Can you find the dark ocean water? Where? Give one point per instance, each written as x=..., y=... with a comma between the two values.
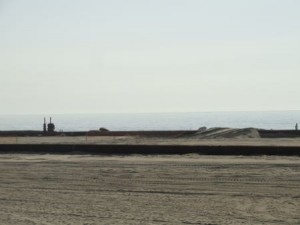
x=155, y=121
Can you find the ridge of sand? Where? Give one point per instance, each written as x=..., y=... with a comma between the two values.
x=220, y=132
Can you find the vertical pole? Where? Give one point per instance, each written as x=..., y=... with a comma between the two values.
x=44, y=126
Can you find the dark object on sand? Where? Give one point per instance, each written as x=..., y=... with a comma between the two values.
x=201, y=129
x=48, y=128
x=44, y=126
x=102, y=129
x=51, y=127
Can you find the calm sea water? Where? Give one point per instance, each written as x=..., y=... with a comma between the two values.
x=155, y=121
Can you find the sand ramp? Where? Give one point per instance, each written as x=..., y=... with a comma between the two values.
x=228, y=133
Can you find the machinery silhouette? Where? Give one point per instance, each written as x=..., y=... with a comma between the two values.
x=48, y=128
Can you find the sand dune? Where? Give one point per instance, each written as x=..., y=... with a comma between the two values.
x=227, y=133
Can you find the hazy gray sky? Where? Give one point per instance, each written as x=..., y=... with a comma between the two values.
x=94, y=56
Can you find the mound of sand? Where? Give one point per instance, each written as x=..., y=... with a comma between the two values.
x=227, y=133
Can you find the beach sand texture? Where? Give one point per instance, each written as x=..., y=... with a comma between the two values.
x=189, y=189
x=209, y=137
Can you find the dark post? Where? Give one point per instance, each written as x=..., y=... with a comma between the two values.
x=44, y=126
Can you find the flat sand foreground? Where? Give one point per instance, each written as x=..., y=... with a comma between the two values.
x=189, y=189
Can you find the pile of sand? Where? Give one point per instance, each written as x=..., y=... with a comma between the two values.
x=227, y=133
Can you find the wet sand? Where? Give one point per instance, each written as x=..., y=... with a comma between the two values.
x=189, y=189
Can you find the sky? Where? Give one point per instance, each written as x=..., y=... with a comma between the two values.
x=134, y=56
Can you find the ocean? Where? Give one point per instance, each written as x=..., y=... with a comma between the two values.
x=154, y=121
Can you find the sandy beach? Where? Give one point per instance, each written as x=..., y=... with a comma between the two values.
x=189, y=189
x=121, y=140
x=153, y=112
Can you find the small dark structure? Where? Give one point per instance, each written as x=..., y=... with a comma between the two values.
x=48, y=128
x=51, y=126
x=44, y=126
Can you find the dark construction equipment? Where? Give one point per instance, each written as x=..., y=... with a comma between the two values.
x=51, y=126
